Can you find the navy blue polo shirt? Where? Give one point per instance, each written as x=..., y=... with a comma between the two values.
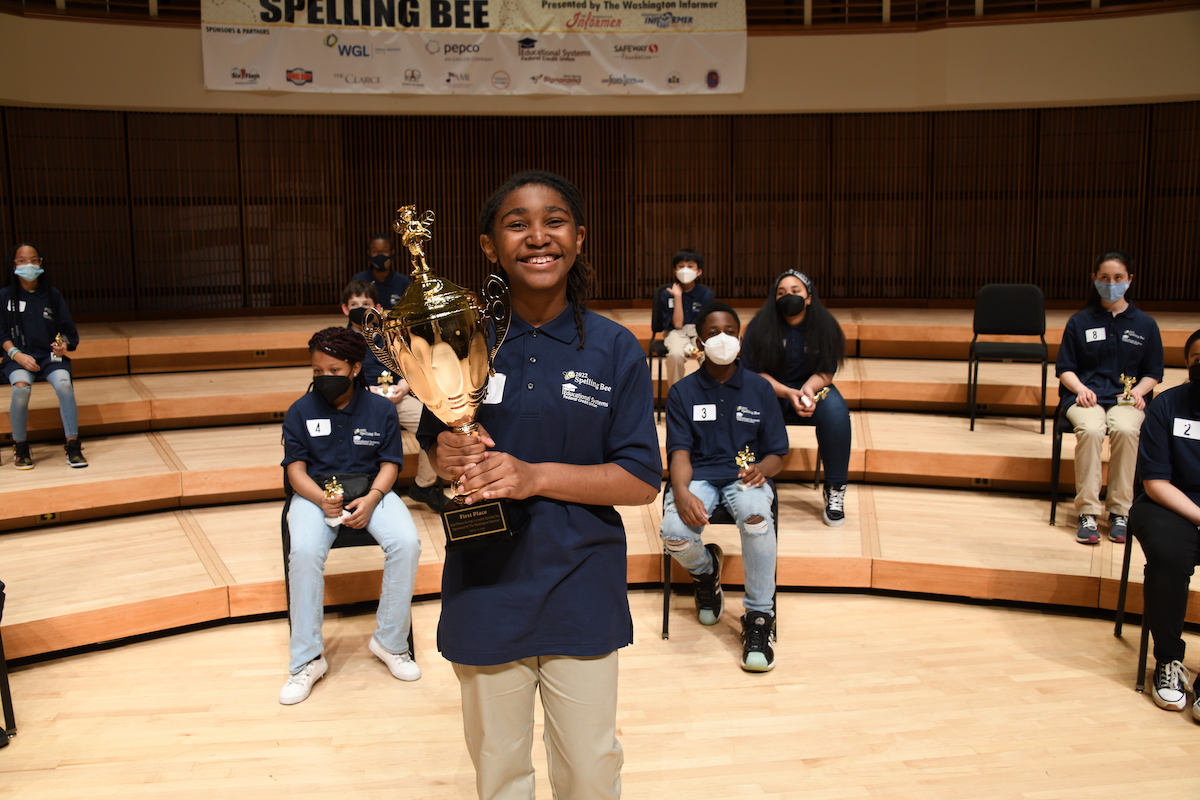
x=1169, y=446
x=357, y=438
x=390, y=290
x=44, y=315
x=1099, y=347
x=797, y=370
x=559, y=586
x=713, y=421
x=692, y=301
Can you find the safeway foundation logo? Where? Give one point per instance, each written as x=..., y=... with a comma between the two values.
x=299, y=76
x=635, y=52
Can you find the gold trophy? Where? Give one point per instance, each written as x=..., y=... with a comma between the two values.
x=436, y=338
x=743, y=459
x=58, y=339
x=818, y=396
x=1127, y=399
x=334, y=489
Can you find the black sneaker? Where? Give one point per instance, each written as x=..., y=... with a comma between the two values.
x=429, y=495
x=710, y=600
x=22, y=459
x=758, y=638
x=74, y=451
x=1170, y=685
x=835, y=505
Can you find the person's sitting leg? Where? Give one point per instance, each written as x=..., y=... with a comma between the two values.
x=425, y=489
x=702, y=561
x=1172, y=546
x=751, y=508
x=18, y=415
x=311, y=540
x=392, y=526
x=1091, y=427
x=831, y=418
x=677, y=341
x=579, y=697
x=1124, y=429
x=64, y=387
x=497, y=708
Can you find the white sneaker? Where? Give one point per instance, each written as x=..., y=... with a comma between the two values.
x=1170, y=685
x=401, y=665
x=299, y=686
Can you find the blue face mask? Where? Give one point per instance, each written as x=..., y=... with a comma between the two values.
x=1111, y=292
x=29, y=272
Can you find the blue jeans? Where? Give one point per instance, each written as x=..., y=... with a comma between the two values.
x=758, y=539
x=18, y=409
x=392, y=526
x=832, y=421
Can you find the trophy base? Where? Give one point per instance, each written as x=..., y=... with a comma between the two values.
x=477, y=524
x=1123, y=401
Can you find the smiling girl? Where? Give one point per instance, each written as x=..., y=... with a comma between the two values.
x=566, y=433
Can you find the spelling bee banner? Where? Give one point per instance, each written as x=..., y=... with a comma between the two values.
x=589, y=47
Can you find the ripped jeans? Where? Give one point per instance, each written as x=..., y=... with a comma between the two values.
x=758, y=539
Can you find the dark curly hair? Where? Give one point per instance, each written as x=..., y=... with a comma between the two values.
x=340, y=343
x=579, y=279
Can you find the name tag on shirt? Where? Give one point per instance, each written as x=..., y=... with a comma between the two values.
x=1187, y=428
x=704, y=412
x=20, y=304
x=318, y=427
x=671, y=302
x=495, y=389
x=1095, y=335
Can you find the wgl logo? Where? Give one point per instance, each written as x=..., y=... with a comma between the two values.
x=354, y=50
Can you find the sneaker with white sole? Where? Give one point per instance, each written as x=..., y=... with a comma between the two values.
x=710, y=600
x=401, y=665
x=1118, y=527
x=299, y=686
x=758, y=641
x=1170, y=685
x=835, y=505
x=1087, y=533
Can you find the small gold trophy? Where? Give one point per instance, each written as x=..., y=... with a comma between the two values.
x=436, y=338
x=58, y=339
x=1127, y=398
x=743, y=459
x=818, y=396
x=334, y=489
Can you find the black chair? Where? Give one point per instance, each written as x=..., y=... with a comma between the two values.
x=1060, y=426
x=1144, y=646
x=1007, y=309
x=346, y=537
x=10, y=720
x=657, y=348
x=720, y=516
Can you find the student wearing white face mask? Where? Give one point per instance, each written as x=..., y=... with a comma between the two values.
x=1107, y=339
x=714, y=414
x=680, y=303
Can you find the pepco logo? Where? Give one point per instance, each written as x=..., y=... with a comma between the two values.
x=299, y=76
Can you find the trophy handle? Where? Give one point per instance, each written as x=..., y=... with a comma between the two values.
x=497, y=304
x=372, y=327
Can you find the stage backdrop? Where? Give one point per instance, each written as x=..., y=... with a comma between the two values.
x=591, y=47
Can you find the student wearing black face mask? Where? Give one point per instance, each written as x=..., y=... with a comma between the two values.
x=1165, y=518
x=797, y=345
x=341, y=430
x=390, y=284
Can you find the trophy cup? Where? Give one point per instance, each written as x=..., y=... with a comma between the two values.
x=1127, y=399
x=334, y=489
x=743, y=459
x=58, y=339
x=436, y=338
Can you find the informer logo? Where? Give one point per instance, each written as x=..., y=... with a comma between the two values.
x=455, y=49
x=667, y=20
x=299, y=76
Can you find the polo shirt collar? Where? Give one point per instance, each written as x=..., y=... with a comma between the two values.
x=734, y=382
x=561, y=327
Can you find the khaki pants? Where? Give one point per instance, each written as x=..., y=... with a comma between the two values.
x=409, y=411
x=1122, y=424
x=678, y=365
x=579, y=699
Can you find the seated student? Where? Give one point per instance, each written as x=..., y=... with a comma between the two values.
x=356, y=298
x=680, y=303
x=797, y=345
x=33, y=326
x=390, y=285
x=339, y=430
x=712, y=416
x=1165, y=518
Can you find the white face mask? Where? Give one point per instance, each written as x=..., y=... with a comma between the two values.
x=722, y=349
x=685, y=274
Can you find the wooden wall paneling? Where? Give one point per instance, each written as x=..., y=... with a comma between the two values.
x=69, y=175
x=1172, y=252
x=7, y=228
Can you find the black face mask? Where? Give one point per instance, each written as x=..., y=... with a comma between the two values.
x=790, y=304
x=380, y=263
x=1194, y=373
x=331, y=387
x=357, y=314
